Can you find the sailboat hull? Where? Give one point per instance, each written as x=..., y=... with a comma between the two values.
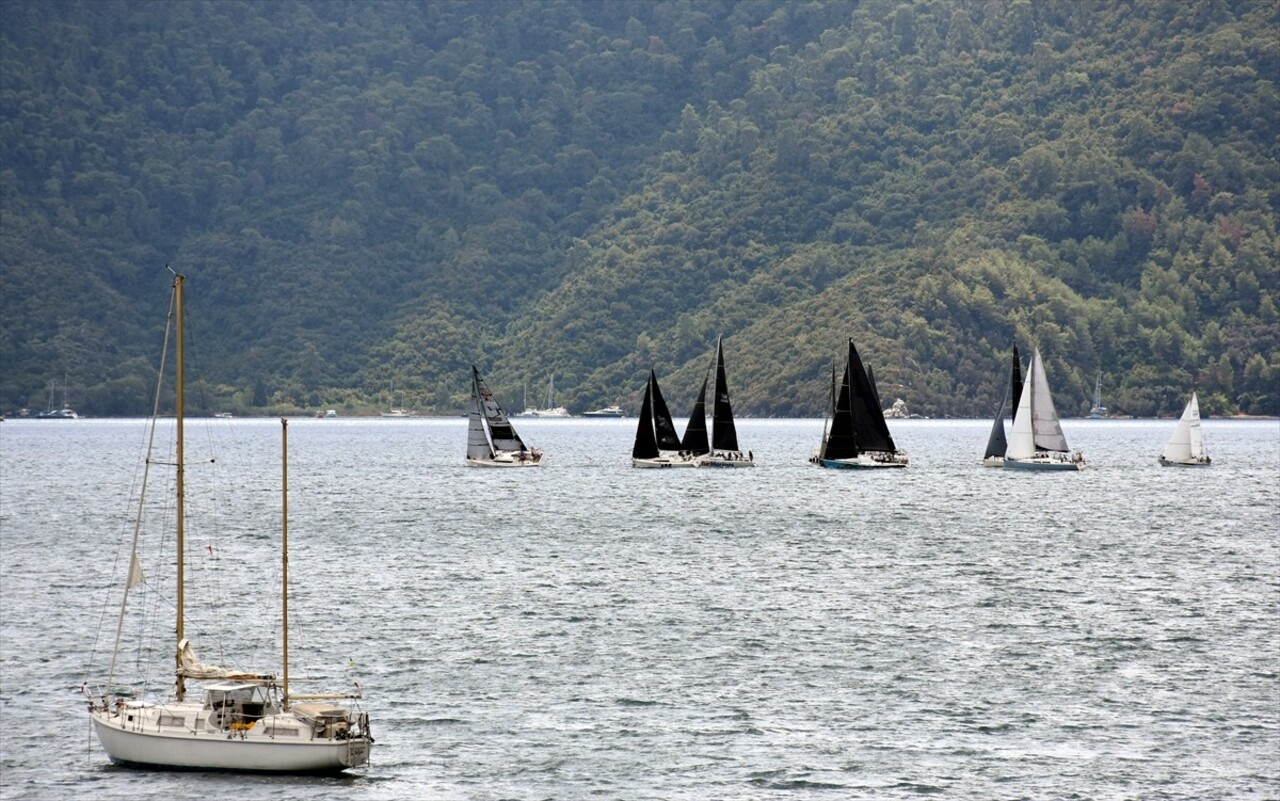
x=663, y=461
x=725, y=459
x=1045, y=463
x=505, y=459
x=864, y=461
x=993, y=461
x=1205, y=462
x=143, y=742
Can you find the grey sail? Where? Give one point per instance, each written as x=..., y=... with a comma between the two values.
x=997, y=444
x=488, y=417
x=1045, y=428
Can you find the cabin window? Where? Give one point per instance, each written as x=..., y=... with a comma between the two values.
x=173, y=720
x=282, y=731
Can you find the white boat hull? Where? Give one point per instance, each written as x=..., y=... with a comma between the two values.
x=864, y=461
x=1045, y=463
x=663, y=461
x=993, y=461
x=143, y=742
x=1205, y=462
x=504, y=460
x=725, y=459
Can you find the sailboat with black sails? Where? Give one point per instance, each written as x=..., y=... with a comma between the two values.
x=857, y=437
x=997, y=444
x=491, y=439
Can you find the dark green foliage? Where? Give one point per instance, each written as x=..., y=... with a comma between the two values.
x=369, y=197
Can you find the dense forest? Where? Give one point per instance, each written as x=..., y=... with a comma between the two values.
x=369, y=197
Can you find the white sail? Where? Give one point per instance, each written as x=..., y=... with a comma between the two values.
x=1187, y=442
x=1035, y=422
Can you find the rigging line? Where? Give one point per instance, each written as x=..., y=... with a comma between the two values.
x=133, y=553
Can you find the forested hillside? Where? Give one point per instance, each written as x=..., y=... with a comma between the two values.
x=369, y=197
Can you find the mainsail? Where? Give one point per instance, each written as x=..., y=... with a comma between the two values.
x=841, y=442
x=664, y=427
x=997, y=445
x=1187, y=442
x=870, y=431
x=724, y=436
x=490, y=430
x=646, y=444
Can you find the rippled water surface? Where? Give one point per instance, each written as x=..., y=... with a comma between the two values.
x=586, y=630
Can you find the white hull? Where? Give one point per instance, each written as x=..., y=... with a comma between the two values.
x=864, y=461
x=143, y=742
x=507, y=460
x=993, y=461
x=663, y=461
x=1056, y=461
x=1206, y=462
x=725, y=459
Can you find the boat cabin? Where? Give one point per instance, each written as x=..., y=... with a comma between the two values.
x=236, y=707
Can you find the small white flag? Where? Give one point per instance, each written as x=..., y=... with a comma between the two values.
x=136, y=576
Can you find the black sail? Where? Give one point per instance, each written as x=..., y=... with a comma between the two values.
x=997, y=444
x=646, y=446
x=695, y=434
x=869, y=427
x=664, y=427
x=724, y=436
x=841, y=442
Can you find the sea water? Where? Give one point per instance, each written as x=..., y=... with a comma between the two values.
x=587, y=630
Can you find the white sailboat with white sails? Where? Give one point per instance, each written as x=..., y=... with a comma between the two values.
x=550, y=410
x=1036, y=441
x=491, y=439
x=1186, y=447
x=245, y=721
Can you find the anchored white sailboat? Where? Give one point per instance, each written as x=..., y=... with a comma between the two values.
x=491, y=439
x=1097, y=411
x=550, y=410
x=1036, y=441
x=858, y=437
x=997, y=444
x=1186, y=446
x=245, y=721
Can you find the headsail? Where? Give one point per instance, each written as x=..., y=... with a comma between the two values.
x=664, y=427
x=1187, y=442
x=997, y=445
x=841, y=442
x=869, y=428
x=724, y=435
x=1016, y=379
x=695, y=434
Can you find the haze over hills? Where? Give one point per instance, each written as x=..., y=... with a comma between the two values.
x=369, y=197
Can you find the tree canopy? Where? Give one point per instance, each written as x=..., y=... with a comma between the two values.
x=369, y=197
